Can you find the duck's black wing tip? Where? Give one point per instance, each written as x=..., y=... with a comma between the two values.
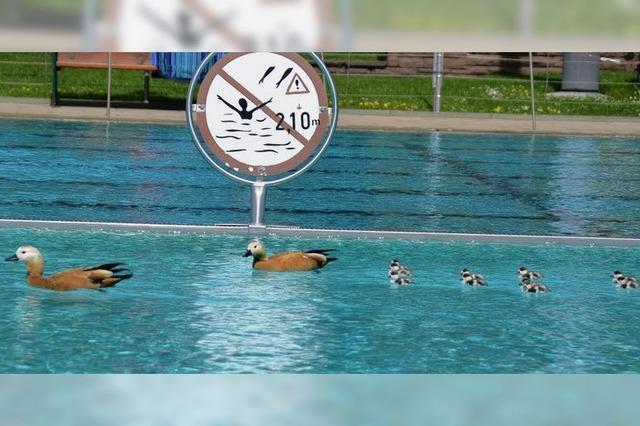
x=106, y=266
x=323, y=251
x=115, y=279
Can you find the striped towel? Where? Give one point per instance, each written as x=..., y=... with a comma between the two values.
x=181, y=65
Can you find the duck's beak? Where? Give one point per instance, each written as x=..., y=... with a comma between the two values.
x=13, y=258
x=247, y=253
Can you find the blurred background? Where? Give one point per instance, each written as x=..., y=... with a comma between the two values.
x=282, y=400
x=541, y=83
x=373, y=73
x=337, y=25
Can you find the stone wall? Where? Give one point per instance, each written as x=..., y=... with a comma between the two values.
x=472, y=63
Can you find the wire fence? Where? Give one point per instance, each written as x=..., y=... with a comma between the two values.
x=487, y=83
x=492, y=83
x=25, y=74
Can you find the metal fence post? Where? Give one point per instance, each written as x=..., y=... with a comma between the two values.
x=533, y=95
x=109, y=87
x=438, y=68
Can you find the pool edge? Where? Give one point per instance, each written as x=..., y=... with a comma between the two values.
x=360, y=120
x=289, y=231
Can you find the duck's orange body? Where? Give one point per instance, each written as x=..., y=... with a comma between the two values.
x=74, y=279
x=291, y=261
x=94, y=277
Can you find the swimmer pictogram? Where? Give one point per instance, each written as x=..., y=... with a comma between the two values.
x=244, y=114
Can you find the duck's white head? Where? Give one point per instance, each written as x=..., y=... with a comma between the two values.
x=26, y=254
x=255, y=249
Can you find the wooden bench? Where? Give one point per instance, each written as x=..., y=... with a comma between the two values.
x=135, y=61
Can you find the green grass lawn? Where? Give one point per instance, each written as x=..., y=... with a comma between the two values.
x=25, y=74
x=29, y=75
x=489, y=94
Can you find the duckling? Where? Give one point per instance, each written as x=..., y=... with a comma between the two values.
x=403, y=281
x=467, y=278
x=621, y=282
x=633, y=281
x=92, y=277
x=616, y=274
x=529, y=286
x=291, y=261
x=627, y=282
x=525, y=273
x=537, y=288
x=471, y=281
x=624, y=281
x=396, y=266
x=398, y=273
x=397, y=277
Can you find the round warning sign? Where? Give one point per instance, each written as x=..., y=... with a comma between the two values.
x=262, y=114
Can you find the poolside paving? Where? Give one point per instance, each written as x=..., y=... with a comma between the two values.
x=354, y=119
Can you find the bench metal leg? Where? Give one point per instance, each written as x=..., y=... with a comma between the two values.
x=54, y=79
x=146, y=86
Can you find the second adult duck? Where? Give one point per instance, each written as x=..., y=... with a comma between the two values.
x=289, y=261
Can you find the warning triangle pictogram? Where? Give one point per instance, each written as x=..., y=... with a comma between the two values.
x=297, y=86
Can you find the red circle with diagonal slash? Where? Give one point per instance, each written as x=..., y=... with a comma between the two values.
x=308, y=145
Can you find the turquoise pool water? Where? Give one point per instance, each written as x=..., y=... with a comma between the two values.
x=586, y=186
x=195, y=306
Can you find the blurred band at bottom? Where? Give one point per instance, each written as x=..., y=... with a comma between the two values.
x=225, y=400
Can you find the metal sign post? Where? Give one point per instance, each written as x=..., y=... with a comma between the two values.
x=262, y=119
x=258, y=204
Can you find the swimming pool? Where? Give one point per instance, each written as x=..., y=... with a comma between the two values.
x=195, y=306
x=546, y=185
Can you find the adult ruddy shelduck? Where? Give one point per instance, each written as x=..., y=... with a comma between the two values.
x=93, y=277
x=291, y=261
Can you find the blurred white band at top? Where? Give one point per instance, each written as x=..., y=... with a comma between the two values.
x=321, y=25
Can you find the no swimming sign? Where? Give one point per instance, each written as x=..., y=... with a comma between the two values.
x=262, y=114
